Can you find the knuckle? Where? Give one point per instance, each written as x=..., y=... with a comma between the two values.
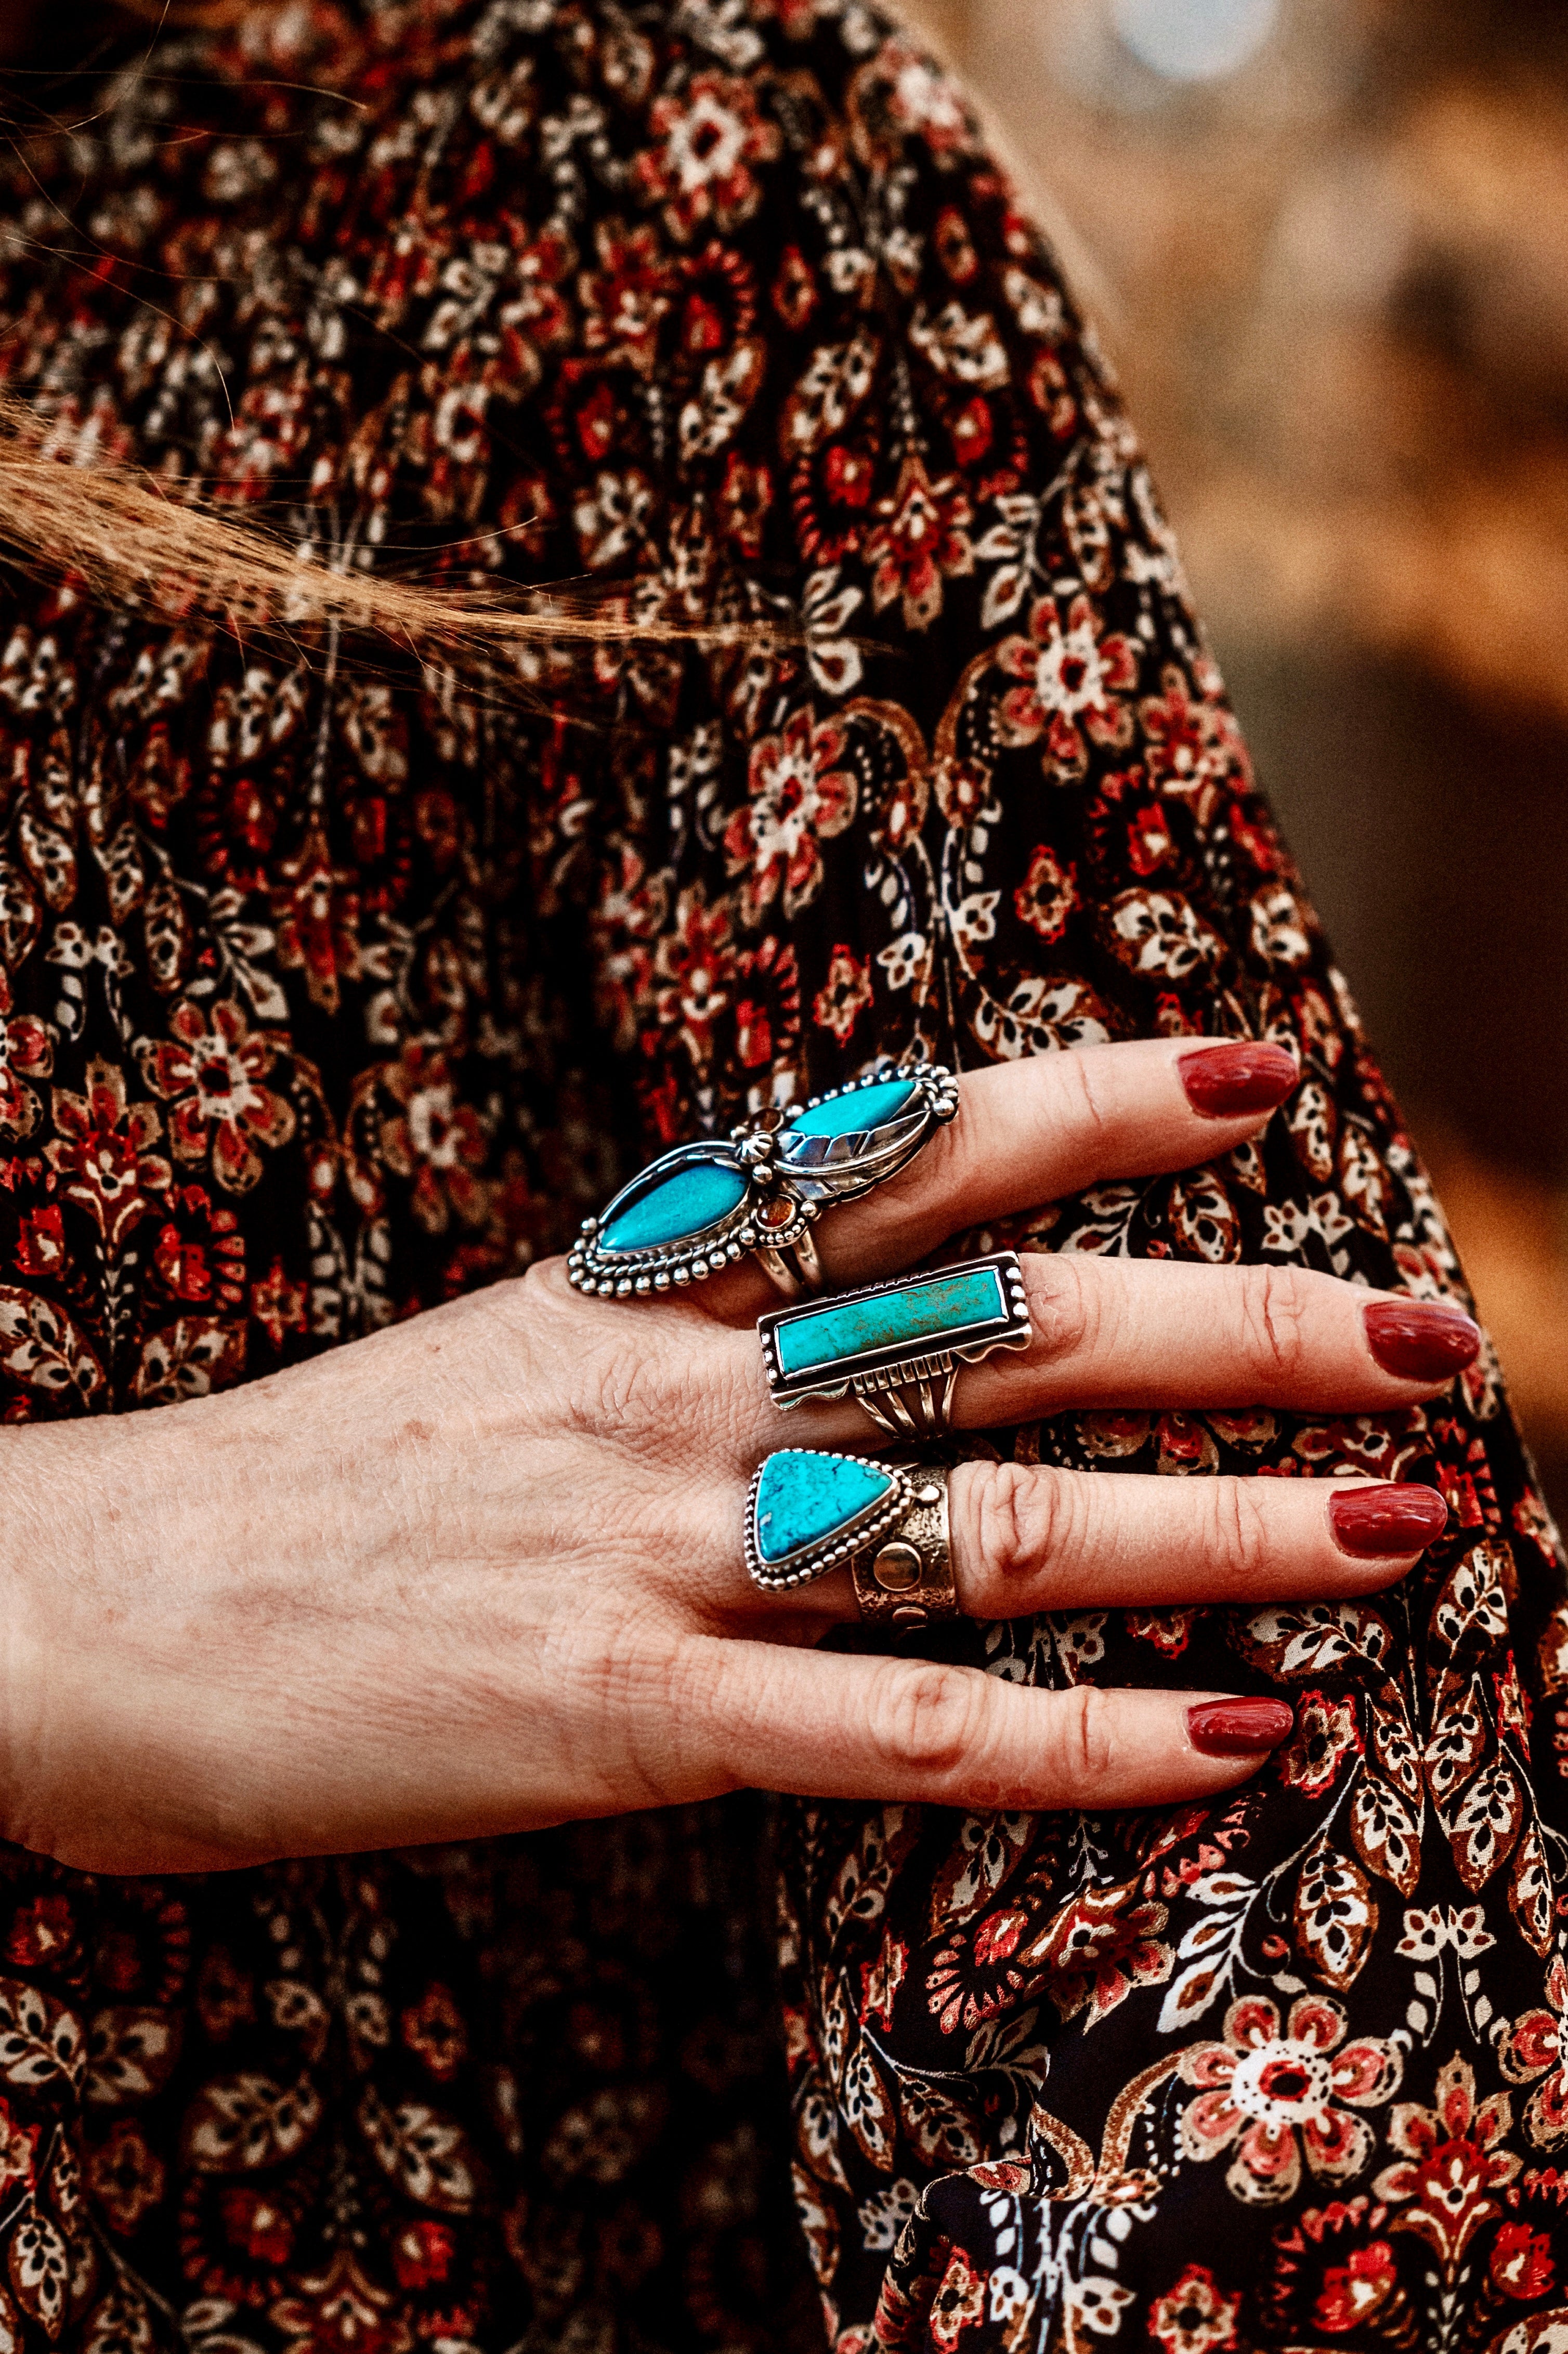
x=923, y=1719
x=664, y=1395
x=617, y=1390
x=1082, y=1101
x=1272, y=1309
x=1007, y=1526
x=544, y=1279
x=1083, y=1740
x=1028, y=1521
x=1237, y=1534
x=1064, y=1306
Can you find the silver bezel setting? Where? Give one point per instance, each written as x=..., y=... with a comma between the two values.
x=808, y=1175
x=690, y=1258
x=895, y=1365
x=840, y=1167
x=810, y=1562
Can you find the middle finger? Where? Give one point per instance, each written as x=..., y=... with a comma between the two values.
x=1150, y=1332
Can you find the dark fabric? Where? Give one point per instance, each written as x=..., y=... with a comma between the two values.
x=332, y=991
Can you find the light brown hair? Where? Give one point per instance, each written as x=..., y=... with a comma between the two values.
x=115, y=534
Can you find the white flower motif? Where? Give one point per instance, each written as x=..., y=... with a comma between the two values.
x=883, y=2218
x=904, y=959
x=1009, y=2294
x=1162, y=933
x=1278, y=928
x=1097, y=2303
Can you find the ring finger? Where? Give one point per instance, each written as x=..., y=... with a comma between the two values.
x=1028, y=1538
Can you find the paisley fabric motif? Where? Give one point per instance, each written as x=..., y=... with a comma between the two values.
x=324, y=982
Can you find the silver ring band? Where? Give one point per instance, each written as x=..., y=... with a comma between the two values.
x=794, y=1271
x=706, y=1204
x=920, y=1408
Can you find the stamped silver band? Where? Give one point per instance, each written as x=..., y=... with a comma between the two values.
x=905, y=1580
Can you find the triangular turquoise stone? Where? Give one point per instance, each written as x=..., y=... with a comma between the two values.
x=862, y=1107
x=803, y=1498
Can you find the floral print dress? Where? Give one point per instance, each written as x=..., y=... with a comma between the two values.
x=332, y=988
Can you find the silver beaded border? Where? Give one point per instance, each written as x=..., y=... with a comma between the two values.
x=671, y=1267
x=808, y=1562
x=755, y=1150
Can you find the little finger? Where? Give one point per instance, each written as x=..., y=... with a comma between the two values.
x=830, y=1725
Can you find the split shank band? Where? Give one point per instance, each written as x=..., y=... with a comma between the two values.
x=895, y=1346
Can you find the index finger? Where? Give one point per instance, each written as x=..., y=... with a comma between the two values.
x=1031, y=1132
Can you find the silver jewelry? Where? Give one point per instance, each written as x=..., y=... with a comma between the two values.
x=810, y=1512
x=704, y=1206
x=898, y=1346
x=906, y=1580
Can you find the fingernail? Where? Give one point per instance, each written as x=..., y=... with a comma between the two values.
x=1238, y=1728
x=1421, y=1339
x=1228, y=1082
x=1374, y=1523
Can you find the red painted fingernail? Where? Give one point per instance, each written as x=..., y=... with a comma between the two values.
x=1238, y=1728
x=1375, y=1523
x=1421, y=1339
x=1229, y=1082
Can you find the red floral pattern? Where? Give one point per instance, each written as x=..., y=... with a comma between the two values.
x=329, y=991
x=1276, y=2095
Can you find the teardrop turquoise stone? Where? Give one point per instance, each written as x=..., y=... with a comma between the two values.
x=804, y=1497
x=862, y=1107
x=688, y=1201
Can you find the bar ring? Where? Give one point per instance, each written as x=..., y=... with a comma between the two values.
x=704, y=1206
x=808, y=1512
x=898, y=1346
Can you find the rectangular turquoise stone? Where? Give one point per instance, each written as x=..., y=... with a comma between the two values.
x=937, y=1310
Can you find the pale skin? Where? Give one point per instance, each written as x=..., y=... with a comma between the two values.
x=482, y=1572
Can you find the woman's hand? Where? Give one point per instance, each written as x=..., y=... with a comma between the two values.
x=484, y=1571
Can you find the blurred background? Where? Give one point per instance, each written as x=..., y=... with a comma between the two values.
x=1326, y=245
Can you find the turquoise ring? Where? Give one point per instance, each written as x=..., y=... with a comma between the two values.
x=706, y=1204
x=898, y=1346
x=808, y=1512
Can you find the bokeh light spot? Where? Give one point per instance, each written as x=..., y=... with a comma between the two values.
x=1195, y=40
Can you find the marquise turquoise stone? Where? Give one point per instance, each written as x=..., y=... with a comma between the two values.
x=863, y=1108
x=939, y=1311
x=804, y=1497
x=682, y=1206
